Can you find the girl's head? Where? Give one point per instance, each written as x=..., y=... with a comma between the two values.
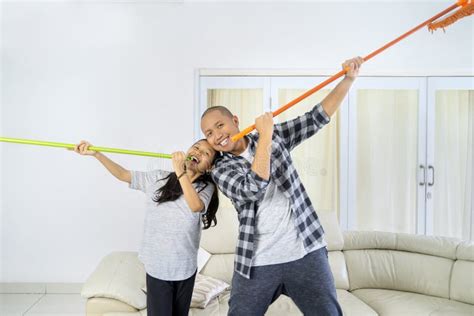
x=202, y=158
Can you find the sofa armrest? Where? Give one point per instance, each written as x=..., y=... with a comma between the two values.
x=121, y=276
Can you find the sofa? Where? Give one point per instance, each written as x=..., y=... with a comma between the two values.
x=375, y=273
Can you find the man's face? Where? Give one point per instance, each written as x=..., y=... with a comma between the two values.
x=218, y=129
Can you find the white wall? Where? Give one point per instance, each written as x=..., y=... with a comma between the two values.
x=123, y=75
x=1, y=150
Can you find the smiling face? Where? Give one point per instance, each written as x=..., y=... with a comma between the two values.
x=202, y=155
x=218, y=127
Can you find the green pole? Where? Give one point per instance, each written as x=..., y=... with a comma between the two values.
x=94, y=148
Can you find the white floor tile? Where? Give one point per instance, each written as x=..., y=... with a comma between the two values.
x=59, y=305
x=17, y=304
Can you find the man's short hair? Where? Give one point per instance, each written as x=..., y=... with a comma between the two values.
x=224, y=111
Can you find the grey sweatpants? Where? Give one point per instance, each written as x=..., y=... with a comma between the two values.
x=308, y=281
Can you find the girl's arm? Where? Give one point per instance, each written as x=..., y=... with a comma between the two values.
x=190, y=195
x=115, y=169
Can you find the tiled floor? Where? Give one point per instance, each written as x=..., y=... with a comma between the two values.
x=42, y=304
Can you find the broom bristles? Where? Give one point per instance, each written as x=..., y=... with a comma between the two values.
x=465, y=10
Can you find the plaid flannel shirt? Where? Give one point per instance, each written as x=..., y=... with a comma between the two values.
x=235, y=178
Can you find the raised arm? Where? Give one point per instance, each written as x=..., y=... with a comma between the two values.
x=115, y=169
x=334, y=99
x=295, y=131
x=190, y=194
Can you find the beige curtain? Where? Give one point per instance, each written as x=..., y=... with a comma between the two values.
x=247, y=104
x=316, y=159
x=386, y=160
x=453, y=162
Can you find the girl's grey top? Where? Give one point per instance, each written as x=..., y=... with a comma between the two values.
x=171, y=230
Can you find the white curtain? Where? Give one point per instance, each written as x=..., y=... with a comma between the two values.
x=453, y=163
x=386, y=160
x=316, y=159
x=247, y=104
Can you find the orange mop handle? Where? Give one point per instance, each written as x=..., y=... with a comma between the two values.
x=342, y=72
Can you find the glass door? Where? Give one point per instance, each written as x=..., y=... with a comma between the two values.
x=387, y=135
x=450, y=174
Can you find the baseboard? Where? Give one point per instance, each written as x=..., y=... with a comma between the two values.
x=40, y=288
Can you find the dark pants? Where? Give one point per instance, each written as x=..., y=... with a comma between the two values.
x=169, y=298
x=308, y=281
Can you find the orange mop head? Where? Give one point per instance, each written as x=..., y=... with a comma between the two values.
x=466, y=9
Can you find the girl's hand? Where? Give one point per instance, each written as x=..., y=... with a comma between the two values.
x=83, y=149
x=178, y=159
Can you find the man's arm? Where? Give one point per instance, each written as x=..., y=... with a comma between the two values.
x=293, y=132
x=334, y=99
x=241, y=186
x=263, y=152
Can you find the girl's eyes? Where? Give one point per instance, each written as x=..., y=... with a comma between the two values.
x=220, y=125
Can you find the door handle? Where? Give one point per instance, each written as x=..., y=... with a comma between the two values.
x=423, y=182
x=433, y=176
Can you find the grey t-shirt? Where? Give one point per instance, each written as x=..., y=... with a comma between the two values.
x=276, y=238
x=171, y=230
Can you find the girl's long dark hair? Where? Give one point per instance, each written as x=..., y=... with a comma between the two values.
x=172, y=190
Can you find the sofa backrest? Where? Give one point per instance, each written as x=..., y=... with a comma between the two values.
x=462, y=277
x=221, y=241
x=405, y=262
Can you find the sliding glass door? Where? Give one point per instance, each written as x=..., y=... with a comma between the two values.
x=450, y=170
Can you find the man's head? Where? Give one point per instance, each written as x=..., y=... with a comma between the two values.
x=218, y=125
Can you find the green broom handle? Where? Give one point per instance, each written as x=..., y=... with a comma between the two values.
x=94, y=148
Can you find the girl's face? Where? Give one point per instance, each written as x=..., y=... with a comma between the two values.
x=202, y=155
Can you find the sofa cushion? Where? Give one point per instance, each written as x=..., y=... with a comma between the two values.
x=429, y=245
x=337, y=263
x=140, y=313
x=221, y=267
x=397, y=270
x=98, y=306
x=462, y=281
x=352, y=306
x=396, y=303
x=332, y=230
x=465, y=251
x=221, y=238
x=357, y=240
x=217, y=307
x=120, y=276
x=206, y=288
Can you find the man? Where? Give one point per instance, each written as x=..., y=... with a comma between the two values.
x=281, y=247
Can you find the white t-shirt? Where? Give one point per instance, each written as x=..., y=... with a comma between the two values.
x=276, y=239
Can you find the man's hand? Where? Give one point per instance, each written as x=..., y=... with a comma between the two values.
x=353, y=66
x=264, y=125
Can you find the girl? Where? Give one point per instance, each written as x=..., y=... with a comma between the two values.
x=179, y=205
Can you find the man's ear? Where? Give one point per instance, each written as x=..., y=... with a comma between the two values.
x=235, y=119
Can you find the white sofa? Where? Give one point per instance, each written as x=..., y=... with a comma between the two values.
x=375, y=273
